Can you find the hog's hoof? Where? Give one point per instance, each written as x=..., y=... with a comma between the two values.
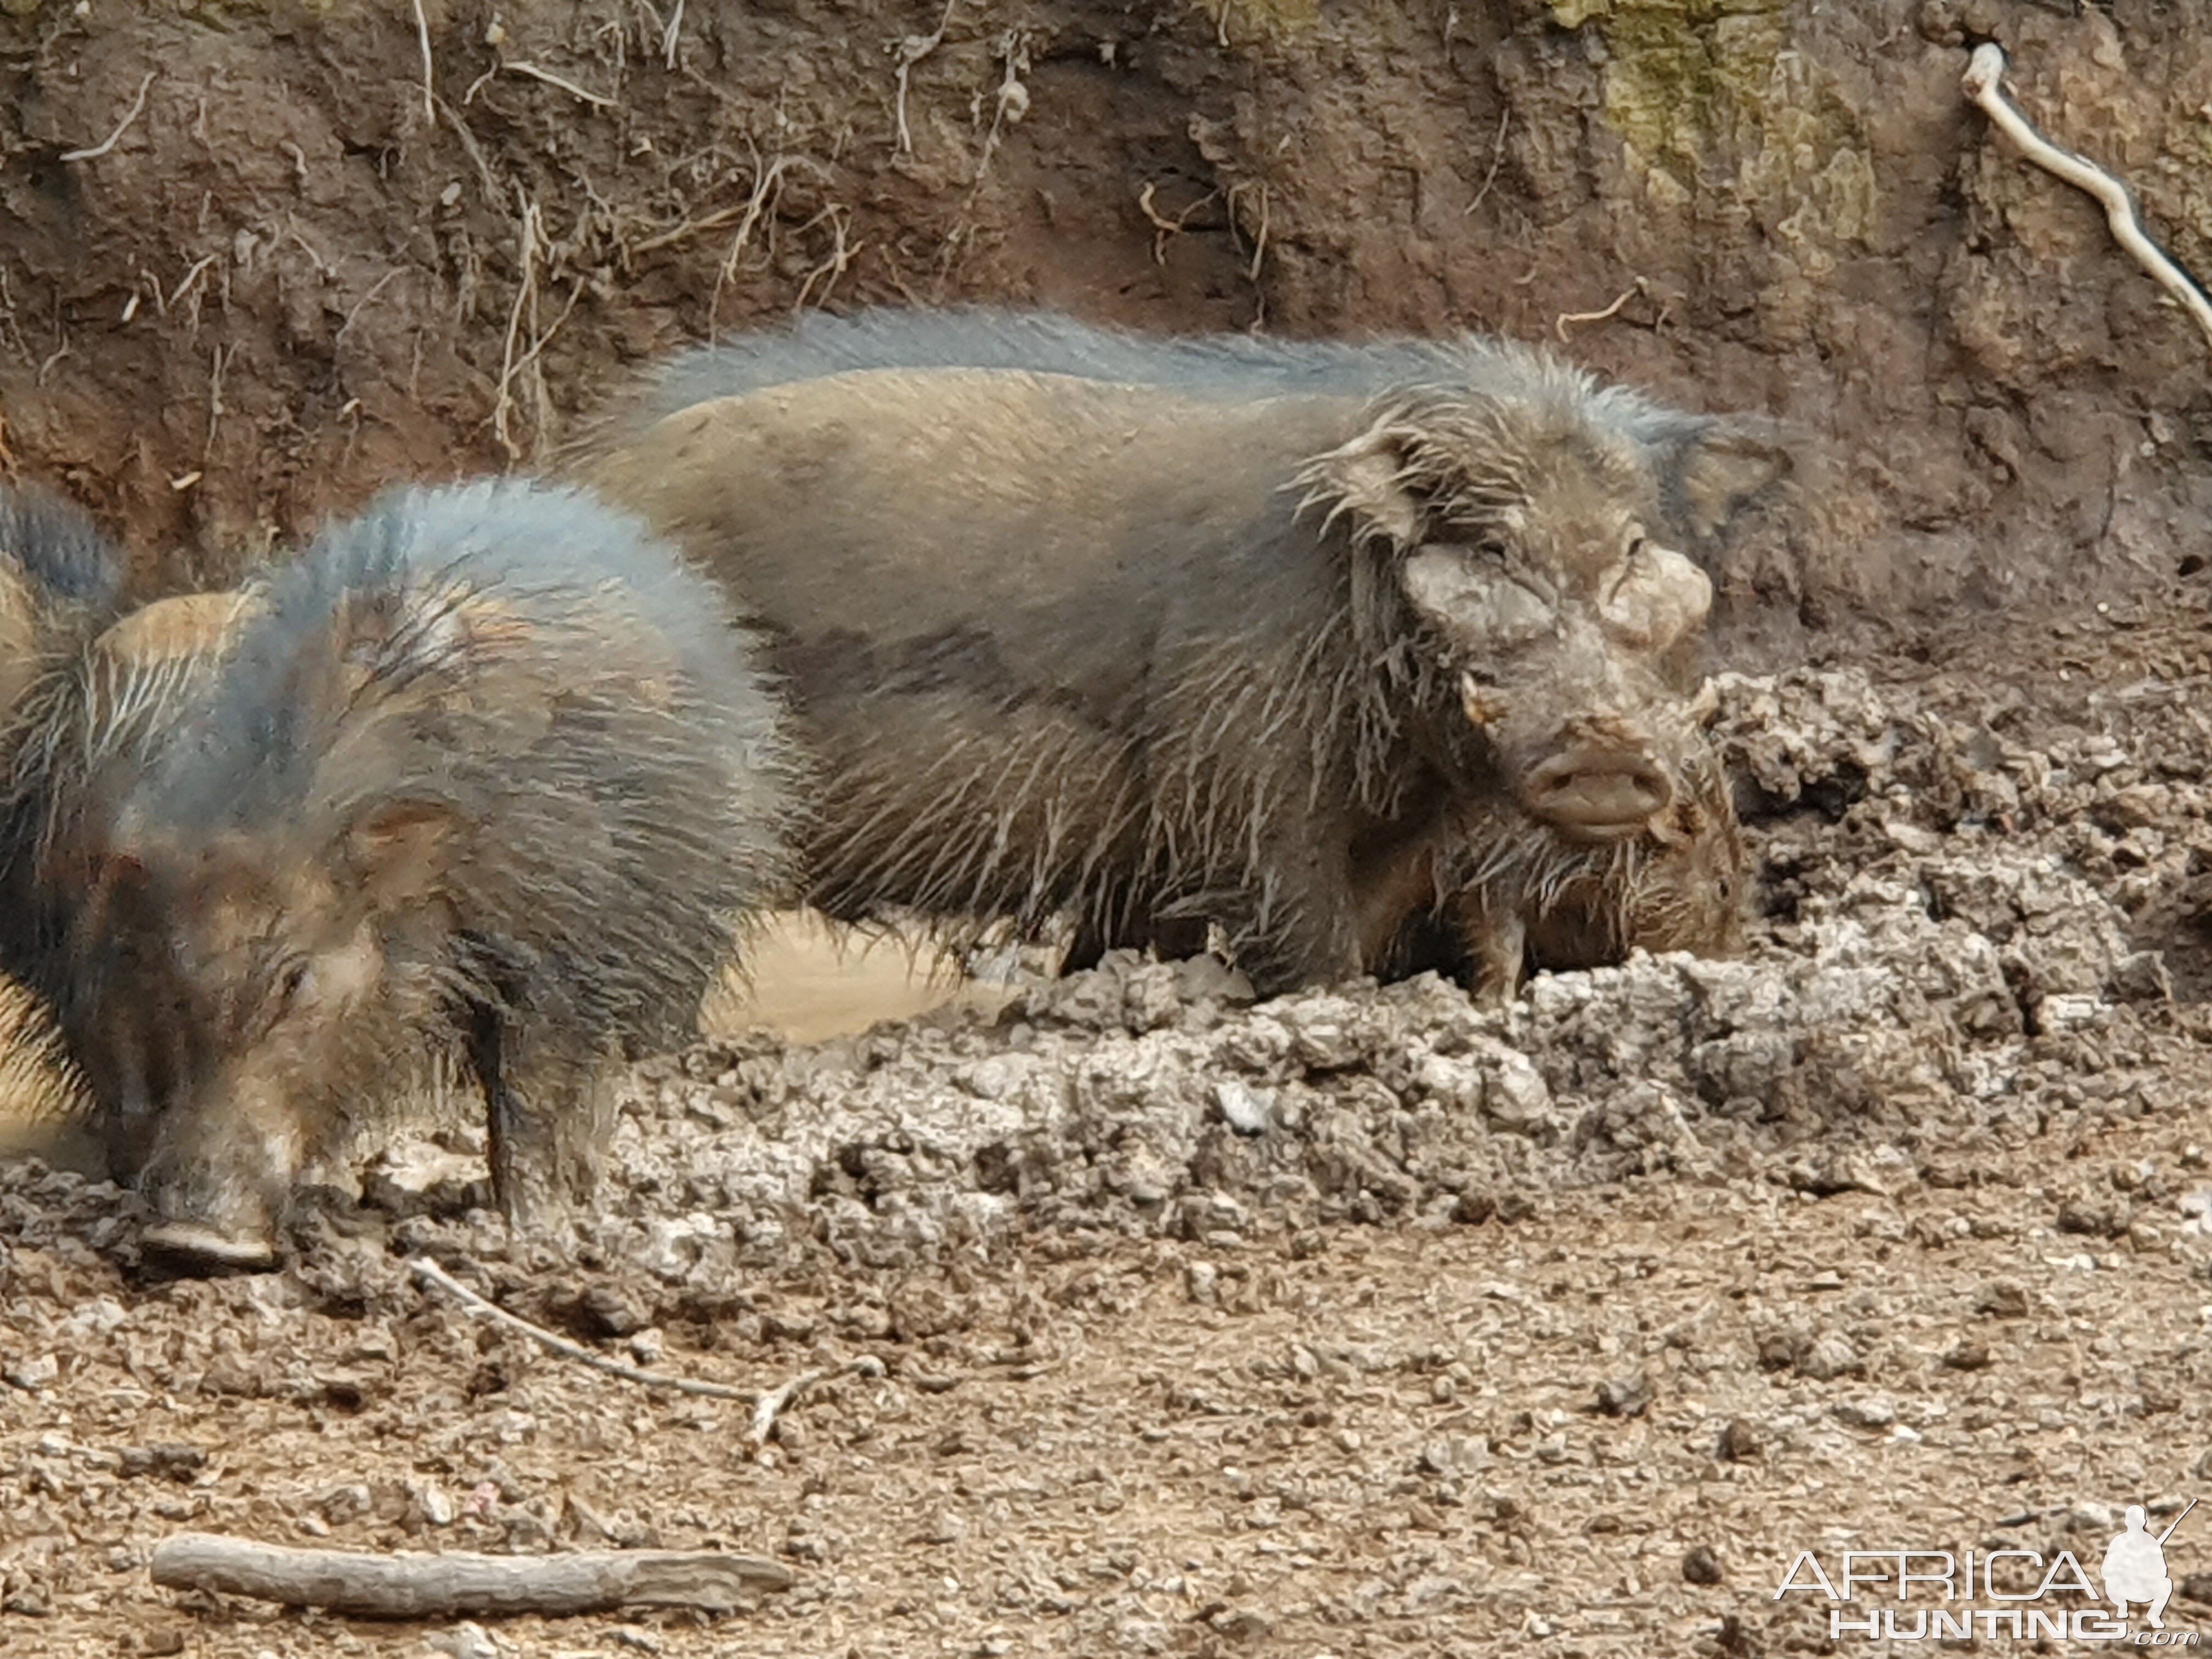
x=191, y=1247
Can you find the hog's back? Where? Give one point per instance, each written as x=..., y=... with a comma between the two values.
x=1029, y=534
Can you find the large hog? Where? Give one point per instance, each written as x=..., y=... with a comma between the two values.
x=484, y=780
x=1140, y=653
x=1702, y=467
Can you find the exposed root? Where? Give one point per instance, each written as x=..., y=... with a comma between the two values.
x=519, y=361
x=1559, y=324
x=429, y=81
x=1164, y=227
x=515, y=66
x=1497, y=160
x=137, y=108
x=834, y=266
x=909, y=51
x=1984, y=84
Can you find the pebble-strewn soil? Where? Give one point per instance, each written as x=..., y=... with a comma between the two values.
x=1356, y=1322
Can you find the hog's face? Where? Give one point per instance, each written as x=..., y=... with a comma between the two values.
x=245, y=997
x=1522, y=551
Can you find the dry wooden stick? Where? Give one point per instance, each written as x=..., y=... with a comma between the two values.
x=1984, y=84
x=411, y=1586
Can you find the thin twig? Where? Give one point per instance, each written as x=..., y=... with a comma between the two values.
x=382, y=283
x=766, y=1408
x=778, y=1399
x=668, y=34
x=1497, y=158
x=429, y=85
x=1984, y=84
x=432, y=1273
x=552, y=79
x=138, y=106
x=1559, y=324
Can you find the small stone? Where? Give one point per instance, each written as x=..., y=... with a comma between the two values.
x=1702, y=1566
x=31, y=1374
x=1871, y=1412
x=606, y=1309
x=2094, y=1215
x=1247, y=1110
x=1626, y=1396
x=1740, y=1443
x=174, y=1462
x=2002, y=1298
x=1829, y=1357
x=434, y=1501
x=1968, y=1356
x=467, y=1640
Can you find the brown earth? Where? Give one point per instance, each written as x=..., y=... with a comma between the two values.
x=1362, y=1322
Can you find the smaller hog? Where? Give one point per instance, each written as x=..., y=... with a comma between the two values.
x=484, y=779
x=1514, y=893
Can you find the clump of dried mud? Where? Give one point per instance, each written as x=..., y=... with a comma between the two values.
x=1361, y=1319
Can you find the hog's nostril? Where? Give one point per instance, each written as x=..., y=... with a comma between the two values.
x=1605, y=795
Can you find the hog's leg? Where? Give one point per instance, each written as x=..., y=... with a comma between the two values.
x=1392, y=889
x=550, y=1110
x=1494, y=933
x=1292, y=920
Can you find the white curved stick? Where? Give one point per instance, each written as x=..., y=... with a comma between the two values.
x=1983, y=83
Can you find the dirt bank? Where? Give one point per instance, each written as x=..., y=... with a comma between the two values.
x=297, y=271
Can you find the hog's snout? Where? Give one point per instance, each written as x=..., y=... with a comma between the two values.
x=194, y=1247
x=1597, y=792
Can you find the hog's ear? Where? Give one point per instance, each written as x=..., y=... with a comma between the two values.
x=398, y=850
x=1377, y=482
x=1718, y=468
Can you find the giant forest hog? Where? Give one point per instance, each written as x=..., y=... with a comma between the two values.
x=1702, y=467
x=1070, y=645
x=482, y=780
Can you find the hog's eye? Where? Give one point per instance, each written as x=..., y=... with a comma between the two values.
x=289, y=982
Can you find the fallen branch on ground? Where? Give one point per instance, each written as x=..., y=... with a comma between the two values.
x=1984, y=84
x=766, y=1406
x=368, y=1586
x=431, y=1272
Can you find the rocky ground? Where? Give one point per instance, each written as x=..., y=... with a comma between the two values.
x=1362, y=1322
